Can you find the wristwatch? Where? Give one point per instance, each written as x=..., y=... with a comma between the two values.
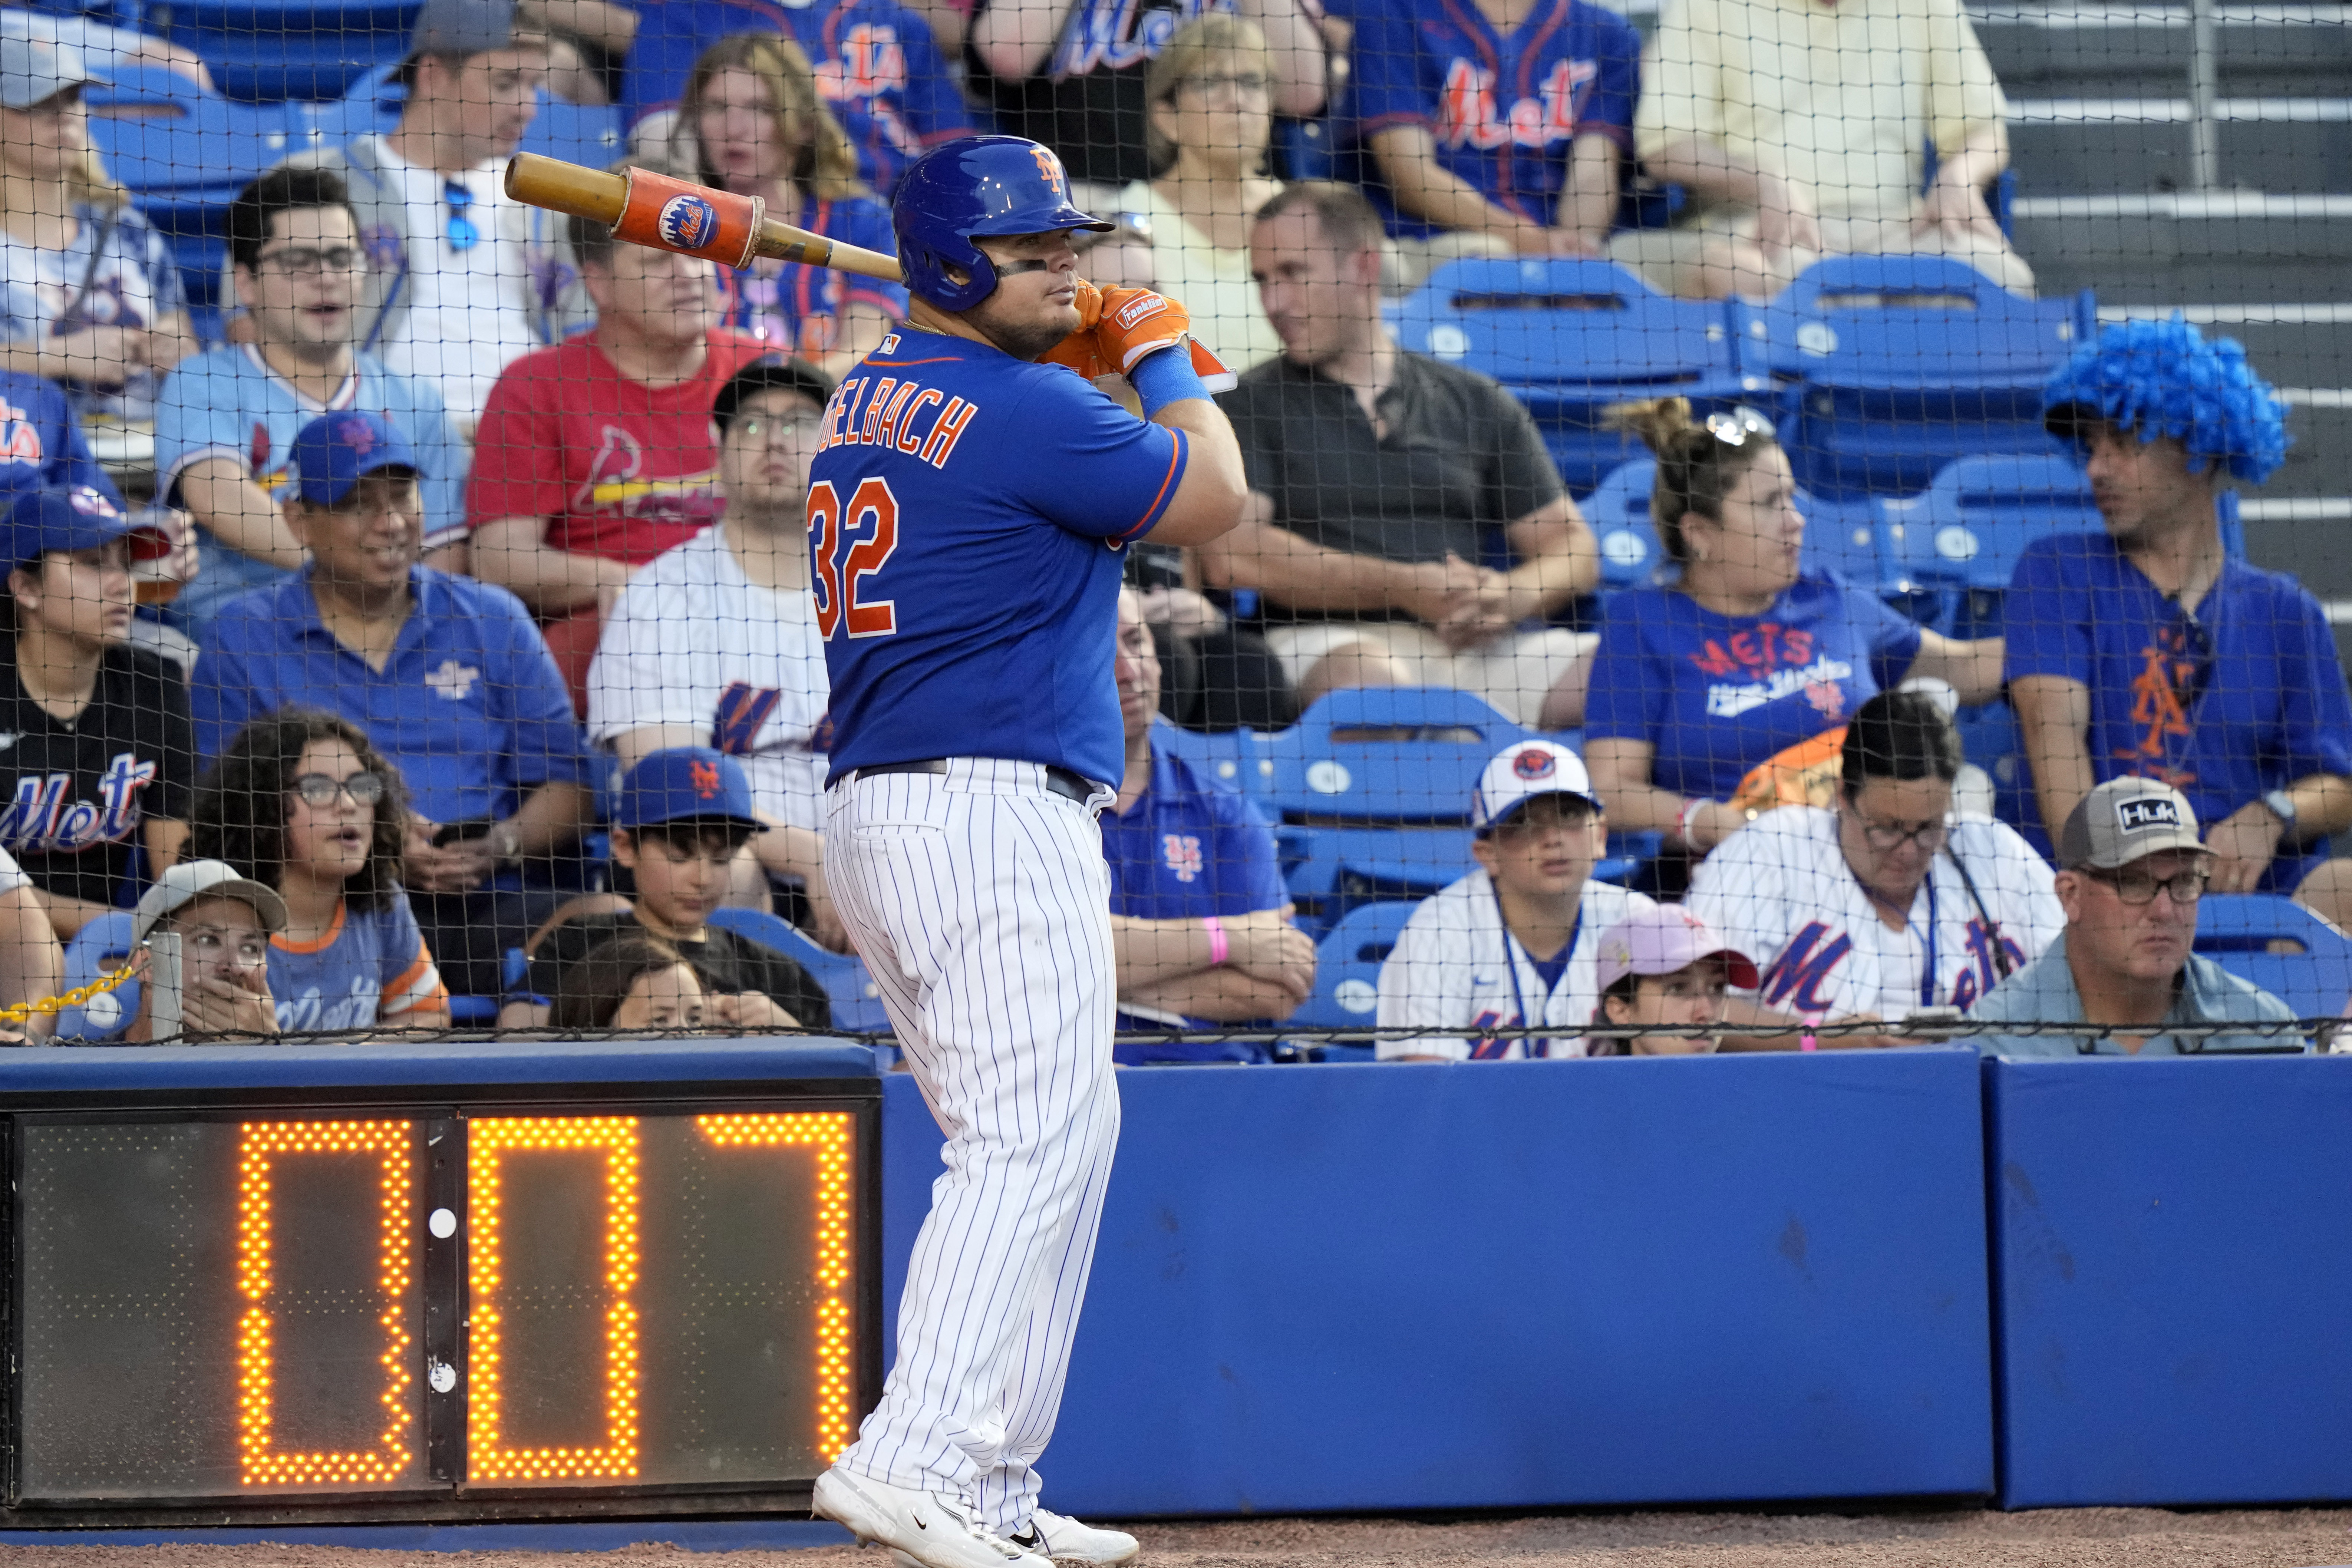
x=506, y=843
x=2281, y=805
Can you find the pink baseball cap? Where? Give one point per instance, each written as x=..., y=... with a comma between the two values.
x=1665, y=938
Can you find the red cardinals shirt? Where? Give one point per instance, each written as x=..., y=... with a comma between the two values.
x=618, y=469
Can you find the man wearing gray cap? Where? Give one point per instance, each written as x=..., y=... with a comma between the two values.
x=2132, y=870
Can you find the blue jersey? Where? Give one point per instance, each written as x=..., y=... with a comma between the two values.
x=370, y=967
x=1189, y=848
x=2246, y=697
x=877, y=65
x=1503, y=110
x=966, y=514
x=1716, y=695
x=41, y=443
x=798, y=306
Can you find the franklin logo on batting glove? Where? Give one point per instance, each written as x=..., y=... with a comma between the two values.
x=1135, y=311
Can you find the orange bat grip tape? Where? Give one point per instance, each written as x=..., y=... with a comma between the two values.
x=670, y=214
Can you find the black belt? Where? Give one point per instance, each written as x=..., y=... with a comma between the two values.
x=1061, y=781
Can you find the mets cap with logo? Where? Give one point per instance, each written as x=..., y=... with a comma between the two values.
x=685, y=783
x=2124, y=820
x=1523, y=770
x=79, y=518
x=335, y=451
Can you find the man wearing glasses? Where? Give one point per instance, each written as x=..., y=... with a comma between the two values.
x=226, y=421
x=2133, y=869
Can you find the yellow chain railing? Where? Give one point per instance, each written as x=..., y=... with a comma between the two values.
x=50, y=1006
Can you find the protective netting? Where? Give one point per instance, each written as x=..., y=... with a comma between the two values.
x=1777, y=524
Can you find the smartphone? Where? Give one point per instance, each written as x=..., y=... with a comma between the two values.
x=450, y=833
x=163, y=985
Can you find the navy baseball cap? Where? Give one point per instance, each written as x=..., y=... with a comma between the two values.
x=772, y=370
x=685, y=783
x=77, y=518
x=333, y=451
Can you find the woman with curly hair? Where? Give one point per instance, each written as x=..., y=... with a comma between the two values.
x=632, y=981
x=300, y=801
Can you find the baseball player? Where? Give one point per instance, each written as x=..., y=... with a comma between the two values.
x=967, y=512
x=1890, y=900
x=1513, y=941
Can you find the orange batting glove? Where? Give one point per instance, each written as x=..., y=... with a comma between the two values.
x=1134, y=322
x=1078, y=351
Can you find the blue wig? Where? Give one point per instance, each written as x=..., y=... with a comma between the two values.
x=2162, y=378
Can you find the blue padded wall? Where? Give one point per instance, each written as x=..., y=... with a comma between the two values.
x=2172, y=1249
x=1516, y=1283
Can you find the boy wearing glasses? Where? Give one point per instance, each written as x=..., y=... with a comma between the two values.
x=226, y=419
x=2133, y=869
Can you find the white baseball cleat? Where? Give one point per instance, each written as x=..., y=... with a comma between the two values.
x=921, y=1528
x=1064, y=1539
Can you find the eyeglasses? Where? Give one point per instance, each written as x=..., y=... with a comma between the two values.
x=1888, y=837
x=463, y=231
x=1734, y=428
x=1249, y=84
x=297, y=259
x=318, y=789
x=776, y=431
x=2136, y=887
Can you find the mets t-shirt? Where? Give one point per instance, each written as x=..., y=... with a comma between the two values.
x=372, y=967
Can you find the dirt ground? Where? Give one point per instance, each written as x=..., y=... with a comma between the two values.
x=2089, y=1538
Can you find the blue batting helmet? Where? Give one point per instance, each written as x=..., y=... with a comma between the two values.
x=981, y=185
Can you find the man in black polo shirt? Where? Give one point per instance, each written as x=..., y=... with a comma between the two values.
x=1376, y=476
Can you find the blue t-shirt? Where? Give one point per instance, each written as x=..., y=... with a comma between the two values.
x=967, y=513
x=1503, y=110
x=370, y=967
x=1716, y=695
x=1189, y=848
x=798, y=306
x=41, y=443
x=469, y=707
x=228, y=404
x=877, y=65
x=2274, y=707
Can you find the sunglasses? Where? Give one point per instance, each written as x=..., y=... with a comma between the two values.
x=318, y=789
x=1733, y=430
x=463, y=232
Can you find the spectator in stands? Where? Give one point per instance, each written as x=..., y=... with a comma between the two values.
x=97, y=32
x=1498, y=126
x=1200, y=918
x=32, y=964
x=1662, y=967
x=1886, y=902
x=226, y=421
x=588, y=44
x=41, y=443
x=446, y=678
x=630, y=982
x=464, y=277
x=2132, y=870
x=1377, y=478
x=885, y=78
x=88, y=293
x=717, y=641
x=1217, y=676
x=1516, y=943
x=1119, y=257
x=1745, y=658
x=761, y=130
x=99, y=758
x=1073, y=73
x=1211, y=103
x=1807, y=129
x=302, y=801
x=682, y=817
x=223, y=921
x=2147, y=651
x=598, y=454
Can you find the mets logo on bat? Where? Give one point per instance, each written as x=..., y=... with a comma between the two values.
x=687, y=222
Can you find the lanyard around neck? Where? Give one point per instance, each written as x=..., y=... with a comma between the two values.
x=1511, y=951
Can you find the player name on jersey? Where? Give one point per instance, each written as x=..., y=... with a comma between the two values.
x=884, y=411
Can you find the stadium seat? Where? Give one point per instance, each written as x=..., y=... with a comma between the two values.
x=1348, y=976
x=2280, y=946
x=1891, y=366
x=98, y=947
x=1227, y=759
x=1989, y=738
x=1979, y=516
x=1569, y=339
x=856, y=1000
x=265, y=51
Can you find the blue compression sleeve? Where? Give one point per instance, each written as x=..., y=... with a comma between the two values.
x=1165, y=376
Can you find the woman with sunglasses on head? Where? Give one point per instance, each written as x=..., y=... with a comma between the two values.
x=300, y=801
x=1885, y=902
x=1211, y=93
x=759, y=128
x=1744, y=655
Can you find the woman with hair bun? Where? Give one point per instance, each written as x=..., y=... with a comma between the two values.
x=1744, y=655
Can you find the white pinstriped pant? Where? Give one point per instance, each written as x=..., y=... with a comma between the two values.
x=981, y=904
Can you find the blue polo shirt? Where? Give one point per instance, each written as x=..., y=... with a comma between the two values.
x=2273, y=707
x=1189, y=848
x=469, y=707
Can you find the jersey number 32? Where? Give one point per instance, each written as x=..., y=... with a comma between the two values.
x=841, y=603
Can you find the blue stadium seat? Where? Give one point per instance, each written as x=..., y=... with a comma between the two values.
x=1891, y=366
x=1969, y=528
x=1348, y=976
x=2240, y=932
x=1572, y=338
x=265, y=51
x=1619, y=511
x=1307, y=148
x=1228, y=759
x=856, y=1001
x=98, y=947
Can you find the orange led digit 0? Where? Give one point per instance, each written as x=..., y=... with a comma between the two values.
x=828, y=1135
x=263, y=1145
x=489, y=1144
